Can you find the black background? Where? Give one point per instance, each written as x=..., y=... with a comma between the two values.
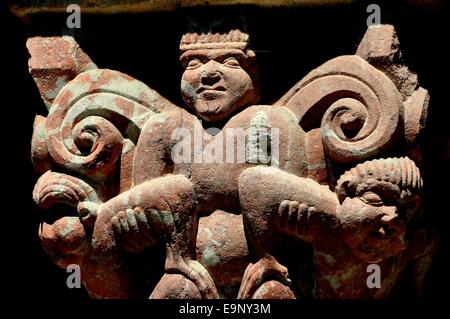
x=288, y=42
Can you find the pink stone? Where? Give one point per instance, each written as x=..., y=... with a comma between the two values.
x=54, y=62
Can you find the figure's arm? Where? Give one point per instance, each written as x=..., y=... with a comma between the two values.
x=275, y=201
x=152, y=157
x=272, y=202
x=159, y=206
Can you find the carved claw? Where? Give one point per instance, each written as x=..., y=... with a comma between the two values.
x=203, y=280
x=195, y=272
x=256, y=274
x=134, y=230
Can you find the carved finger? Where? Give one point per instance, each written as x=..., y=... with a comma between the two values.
x=116, y=225
x=154, y=220
x=283, y=211
x=302, y=219
x=142, y=222
x=194, y=271
x=293, y=212
x=247, y=271
x=123, y=219
x=144, y=228
x=281, y=272
x=253, y=276
x=132, y=223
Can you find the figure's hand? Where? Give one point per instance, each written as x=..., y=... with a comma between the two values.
x=293, y=218
x=256, y=274
x=88, y=213
x=133, y=229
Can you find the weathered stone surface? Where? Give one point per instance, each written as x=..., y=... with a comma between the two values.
x=381, y=48
x=54, y=62
x=139, y=173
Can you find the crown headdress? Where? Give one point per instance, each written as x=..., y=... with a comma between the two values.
x=217, y=34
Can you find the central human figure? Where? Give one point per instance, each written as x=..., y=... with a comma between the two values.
x=220, y=86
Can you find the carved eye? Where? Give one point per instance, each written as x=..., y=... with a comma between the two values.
x=371, y=198
x=231, y=62
x=194, y=63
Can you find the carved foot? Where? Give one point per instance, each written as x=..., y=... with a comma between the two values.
x=256, y=274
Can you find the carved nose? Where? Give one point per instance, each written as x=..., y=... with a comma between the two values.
x=389, y=214
x=210, y=77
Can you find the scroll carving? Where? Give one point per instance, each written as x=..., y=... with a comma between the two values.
x=359, y=108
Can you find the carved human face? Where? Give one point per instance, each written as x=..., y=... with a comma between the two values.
x=374, y=223
x=218, y=82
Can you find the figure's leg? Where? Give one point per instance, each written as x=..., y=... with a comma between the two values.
x=289, y=219
x=260, y=231
x=160, y=209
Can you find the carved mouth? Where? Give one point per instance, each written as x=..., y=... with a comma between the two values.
x=57, y=212
x=384, y=232
x=211, y=89
x=379, y=234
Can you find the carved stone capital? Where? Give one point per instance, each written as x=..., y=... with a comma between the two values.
x=332, y=168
